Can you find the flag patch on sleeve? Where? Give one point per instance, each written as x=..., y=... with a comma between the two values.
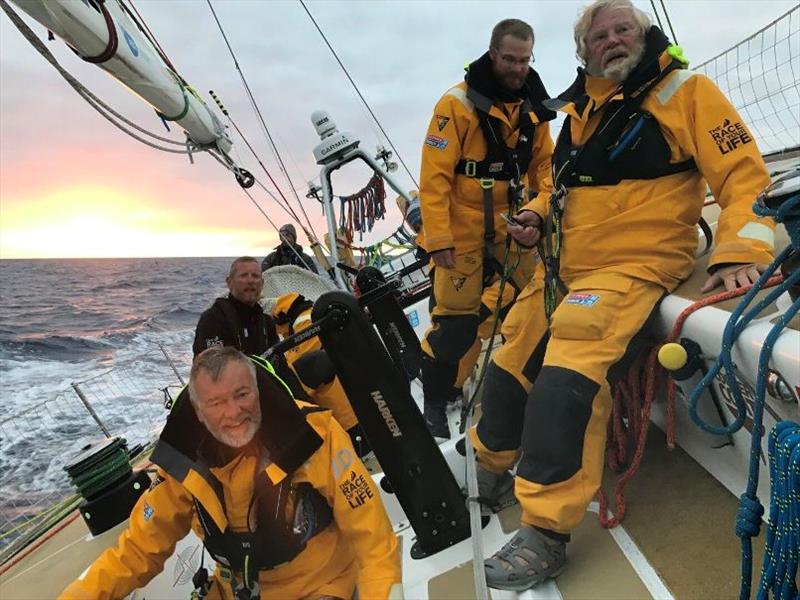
x=434, y=141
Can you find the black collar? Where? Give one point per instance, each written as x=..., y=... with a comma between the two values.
x=480, y=76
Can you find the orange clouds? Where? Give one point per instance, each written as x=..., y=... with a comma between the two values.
x=94, y=221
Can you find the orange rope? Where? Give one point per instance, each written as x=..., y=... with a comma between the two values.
x=630, y=419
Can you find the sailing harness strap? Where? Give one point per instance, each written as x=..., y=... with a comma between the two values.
x=627, y=144
x=286, y=516
x=501, y=163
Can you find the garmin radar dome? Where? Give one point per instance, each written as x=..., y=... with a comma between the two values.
x=333, y=144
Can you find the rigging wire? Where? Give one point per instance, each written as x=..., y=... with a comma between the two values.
x=355, y=87
x=261, y=120
x=255, y=202
x=142, y=25
x=284, y=203
x=666, y=16
x=655, y=12
x=111, y=115
x=286, y=208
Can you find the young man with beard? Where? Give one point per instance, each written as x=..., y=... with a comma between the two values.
x=238, y=319
x=643, y=139
x=487, y=145
x=271, y=485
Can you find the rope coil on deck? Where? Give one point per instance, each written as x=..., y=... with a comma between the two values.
x=630, y=416
x=97, y=469
x=779, y=569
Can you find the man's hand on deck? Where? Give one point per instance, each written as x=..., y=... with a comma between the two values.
x=530, y=229
x=733, y=276
x=444, y=258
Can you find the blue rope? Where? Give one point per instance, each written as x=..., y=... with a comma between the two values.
x=733, y=329
x=787, y=213
x=779, y=569
x=748, y=521
x=783, y=537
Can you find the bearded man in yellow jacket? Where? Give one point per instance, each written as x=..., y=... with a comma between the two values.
x=488, y=142
x=643, y=139
x=272, y=486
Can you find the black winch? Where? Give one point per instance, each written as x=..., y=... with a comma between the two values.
x=103, y=476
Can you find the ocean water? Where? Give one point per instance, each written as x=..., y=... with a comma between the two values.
x=98, y=323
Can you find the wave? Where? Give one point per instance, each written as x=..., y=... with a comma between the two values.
x=55, y=347
x=173, y=317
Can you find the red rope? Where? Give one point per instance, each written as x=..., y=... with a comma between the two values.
x=630, y=419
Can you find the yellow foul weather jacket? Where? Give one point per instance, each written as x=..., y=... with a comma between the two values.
x=646, y=228
x=453, y=204
x=357, y=548
x=292, y=314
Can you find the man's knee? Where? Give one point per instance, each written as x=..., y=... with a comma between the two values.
x=556, y=419
x=502, y=410
x=452, y=336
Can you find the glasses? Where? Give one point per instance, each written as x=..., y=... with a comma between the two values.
x=513, y=61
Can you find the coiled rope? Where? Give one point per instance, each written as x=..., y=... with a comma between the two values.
x=93, y=474
x=779, y=569
x=630, y=416
x=748, y=521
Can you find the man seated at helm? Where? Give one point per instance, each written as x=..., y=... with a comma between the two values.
x=272, y=486
x=289, y=252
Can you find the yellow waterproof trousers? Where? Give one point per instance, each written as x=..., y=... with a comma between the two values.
x=457, y=310
x=548, y=390
x=485, y=327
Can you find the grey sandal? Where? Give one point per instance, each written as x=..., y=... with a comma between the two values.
x=527, y=560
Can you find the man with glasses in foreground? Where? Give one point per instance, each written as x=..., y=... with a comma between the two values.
x=487, y=149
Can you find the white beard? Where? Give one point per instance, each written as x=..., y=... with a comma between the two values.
x=619, y=71
x=239, y=440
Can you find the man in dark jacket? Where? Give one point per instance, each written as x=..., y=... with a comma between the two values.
x=289, y=252
x=238, y=319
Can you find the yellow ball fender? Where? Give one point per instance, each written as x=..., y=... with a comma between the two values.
x=672, y=356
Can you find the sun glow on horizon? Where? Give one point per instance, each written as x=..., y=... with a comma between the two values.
x=94, y=222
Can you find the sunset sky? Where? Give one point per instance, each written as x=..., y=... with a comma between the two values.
x=71, y=185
